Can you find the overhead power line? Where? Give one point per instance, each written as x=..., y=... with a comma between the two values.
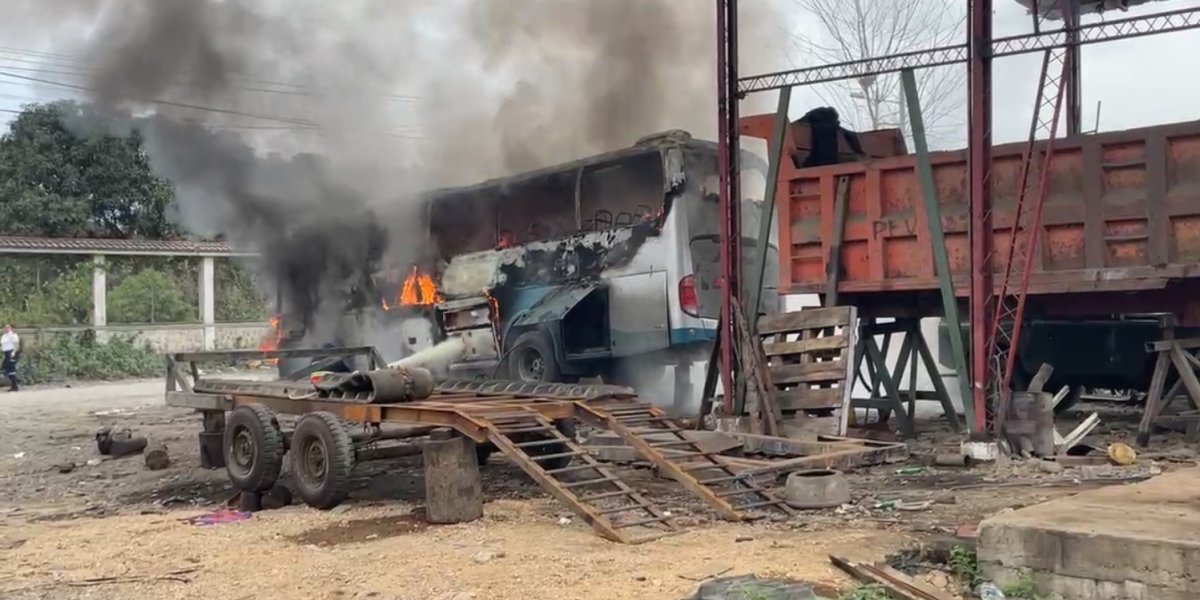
x=25, y=56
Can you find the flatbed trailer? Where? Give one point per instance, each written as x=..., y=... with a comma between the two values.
x=530, y=423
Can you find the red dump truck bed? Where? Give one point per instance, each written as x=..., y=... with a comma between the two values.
x=1122, y=215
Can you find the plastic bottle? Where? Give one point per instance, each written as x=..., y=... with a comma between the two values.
x=989, y=591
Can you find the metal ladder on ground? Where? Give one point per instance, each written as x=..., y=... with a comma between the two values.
x=613, y=508
x=679, y=456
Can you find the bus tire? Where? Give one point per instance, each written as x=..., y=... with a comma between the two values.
x=322, y=459
x=532, y=359
x=254, y=447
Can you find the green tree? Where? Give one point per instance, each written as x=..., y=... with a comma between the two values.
x=149, y=296
x=63, y=173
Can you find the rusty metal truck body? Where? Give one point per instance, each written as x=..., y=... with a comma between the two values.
x=1119, y=241
x=1120, y=231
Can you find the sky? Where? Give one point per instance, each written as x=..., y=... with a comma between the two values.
x=1134, y=82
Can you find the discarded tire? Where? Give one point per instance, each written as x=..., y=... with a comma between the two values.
x=253, y=448
x=821, y=488
x=322, y=458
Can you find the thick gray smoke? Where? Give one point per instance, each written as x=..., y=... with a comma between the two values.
x=494, y=87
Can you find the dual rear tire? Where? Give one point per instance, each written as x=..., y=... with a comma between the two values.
x=321, y=449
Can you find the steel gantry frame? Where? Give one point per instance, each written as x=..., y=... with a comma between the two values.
x=989, y=368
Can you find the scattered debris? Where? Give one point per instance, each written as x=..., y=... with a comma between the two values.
x=750, y=587
x=218, y=517
x=818, y=488
x=1122, y=454
x=485, y=556
x=898, y=585
x=156, y=456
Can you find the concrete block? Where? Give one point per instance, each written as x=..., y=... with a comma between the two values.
x=1131, y=542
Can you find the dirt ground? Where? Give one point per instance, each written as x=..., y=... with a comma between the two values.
x=74, y=524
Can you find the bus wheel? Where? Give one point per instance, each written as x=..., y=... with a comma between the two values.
x=322, y=458
x=532, y=359
x=254, y=447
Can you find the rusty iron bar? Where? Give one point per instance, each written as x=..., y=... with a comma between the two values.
x=1029, y=43
x=1026, y=231
x=730, y=195
x=623, y=416
x=979, y=170
x=600, y=519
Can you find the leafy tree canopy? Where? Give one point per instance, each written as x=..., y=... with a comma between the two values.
x=64, y=174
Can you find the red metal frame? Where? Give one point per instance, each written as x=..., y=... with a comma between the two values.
x=979, y=166
x=730, y=192
x=978, y=52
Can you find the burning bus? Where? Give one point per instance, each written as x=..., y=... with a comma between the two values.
x=601, y=267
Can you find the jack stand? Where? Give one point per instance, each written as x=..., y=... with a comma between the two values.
x=886, y=396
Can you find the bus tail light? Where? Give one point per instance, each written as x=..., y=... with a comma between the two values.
x=687, y=296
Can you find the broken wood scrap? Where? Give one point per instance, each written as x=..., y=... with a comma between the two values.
x=898, y=585
x=755, y=361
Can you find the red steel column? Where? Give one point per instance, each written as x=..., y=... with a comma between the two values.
x=730, y=192
x=979, y=166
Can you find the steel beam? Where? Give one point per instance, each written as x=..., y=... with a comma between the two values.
x=730, y=195
x=979, y=167
x=1116, y=29
x=779, y=131
x=937, y=237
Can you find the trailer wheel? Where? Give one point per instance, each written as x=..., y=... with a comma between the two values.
x=322, y=458
x=253, y=446
x=532, y=358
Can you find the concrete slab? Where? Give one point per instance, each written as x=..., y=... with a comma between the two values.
x=1133, y=542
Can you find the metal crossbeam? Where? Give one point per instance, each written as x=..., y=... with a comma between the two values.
x=1117, y=29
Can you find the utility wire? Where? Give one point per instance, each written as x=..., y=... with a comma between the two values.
x=74, y=62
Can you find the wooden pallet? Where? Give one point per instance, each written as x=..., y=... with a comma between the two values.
x=810, y=359
x=728, y=492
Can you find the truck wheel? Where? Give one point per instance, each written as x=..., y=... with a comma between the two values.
x=322, y=458
x=253, y=446
x=532, y=359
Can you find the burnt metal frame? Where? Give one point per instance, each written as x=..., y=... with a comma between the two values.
x=978, y=53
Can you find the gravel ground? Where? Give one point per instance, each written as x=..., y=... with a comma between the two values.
x=110, y=528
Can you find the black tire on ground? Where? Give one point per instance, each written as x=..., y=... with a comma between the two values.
x=322, y=459
x=253, y=448
x=532, y=358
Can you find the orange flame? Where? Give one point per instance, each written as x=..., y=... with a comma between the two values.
x=271, y=340
x=419, y=290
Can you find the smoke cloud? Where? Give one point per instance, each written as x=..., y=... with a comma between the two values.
x=395, y=97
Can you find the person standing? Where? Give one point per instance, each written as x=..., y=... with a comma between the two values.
x=10, y=344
